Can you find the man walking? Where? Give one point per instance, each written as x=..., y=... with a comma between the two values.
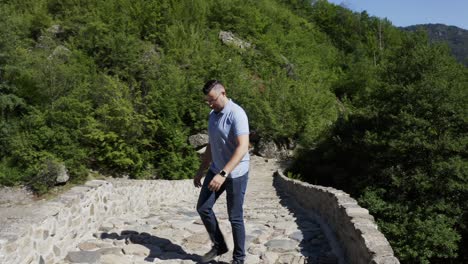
x=227, y=160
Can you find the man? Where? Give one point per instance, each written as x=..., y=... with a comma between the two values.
x=227, y=160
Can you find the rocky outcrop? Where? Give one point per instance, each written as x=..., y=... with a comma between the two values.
x=267, y=149
x=53, y=172
x=62, y=174
x=60, y=52
x=198, y=141
x=270, y=150
x=55, y=30
x=228, y=38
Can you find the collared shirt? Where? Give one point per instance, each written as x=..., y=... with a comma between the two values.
x=223, y=129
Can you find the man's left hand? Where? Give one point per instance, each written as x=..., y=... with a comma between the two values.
x=216, y=183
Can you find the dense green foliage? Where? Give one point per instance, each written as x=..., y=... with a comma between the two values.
x=456, y=38
x=115, y=86
x=400, y=145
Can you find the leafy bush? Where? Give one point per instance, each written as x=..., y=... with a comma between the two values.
x=46, y=175
x=9, y=175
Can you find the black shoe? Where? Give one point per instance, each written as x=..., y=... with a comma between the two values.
x=213, y=253
x=237, y=262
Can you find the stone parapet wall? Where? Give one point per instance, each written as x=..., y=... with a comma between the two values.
x=55, y=226
x=354, y=227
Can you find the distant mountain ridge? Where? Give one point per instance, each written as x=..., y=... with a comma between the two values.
x=457, y=38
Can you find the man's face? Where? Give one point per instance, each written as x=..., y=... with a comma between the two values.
x=214, y=100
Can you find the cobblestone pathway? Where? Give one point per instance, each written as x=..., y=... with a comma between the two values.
x=277, y=230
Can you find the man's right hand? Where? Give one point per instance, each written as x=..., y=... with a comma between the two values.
x=197, y=180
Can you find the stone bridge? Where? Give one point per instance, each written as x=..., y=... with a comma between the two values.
x=130, y=221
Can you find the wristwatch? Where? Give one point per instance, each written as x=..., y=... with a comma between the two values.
x=223, y=173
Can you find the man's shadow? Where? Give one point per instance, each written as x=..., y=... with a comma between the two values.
x=160, y=248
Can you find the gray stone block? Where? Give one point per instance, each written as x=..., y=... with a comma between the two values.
x=83, y=257
x=281, y=245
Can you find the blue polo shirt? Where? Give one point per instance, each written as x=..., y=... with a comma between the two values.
x=223, y=129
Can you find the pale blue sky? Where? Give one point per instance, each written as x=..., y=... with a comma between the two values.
x=411, y=12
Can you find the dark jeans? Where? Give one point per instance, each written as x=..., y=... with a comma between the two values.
x=235, y=192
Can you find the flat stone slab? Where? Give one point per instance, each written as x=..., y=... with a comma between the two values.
x=281, y=245
x=114, y=259
x=136, y=249
x=83, y=257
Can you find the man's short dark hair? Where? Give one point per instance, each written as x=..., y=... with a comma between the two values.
x=209, y=86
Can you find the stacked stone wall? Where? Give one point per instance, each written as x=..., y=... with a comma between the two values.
x=55, y=226
x=355, y=228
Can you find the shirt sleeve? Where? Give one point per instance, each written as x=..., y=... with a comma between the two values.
x=241, y=123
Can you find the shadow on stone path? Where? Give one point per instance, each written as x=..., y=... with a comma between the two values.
x=311, y=235
x=154, y=244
